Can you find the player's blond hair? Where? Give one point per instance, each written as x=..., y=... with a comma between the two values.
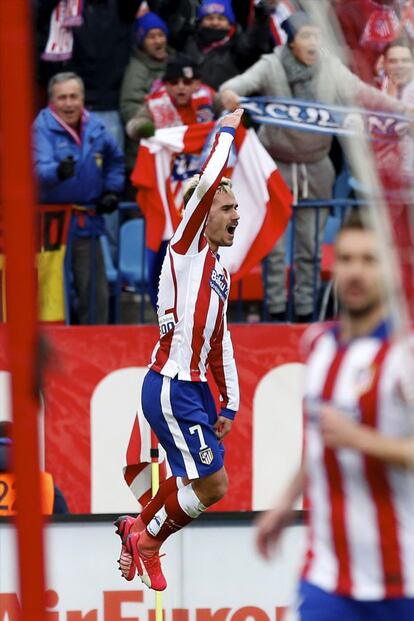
x=192, y=183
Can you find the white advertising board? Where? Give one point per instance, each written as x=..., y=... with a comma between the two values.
x=213, y=574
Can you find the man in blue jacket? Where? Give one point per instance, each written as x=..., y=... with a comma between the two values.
x=77, y=162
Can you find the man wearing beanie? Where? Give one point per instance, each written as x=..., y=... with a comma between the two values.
x=219, y=46
x=147, y=63
x=179, y=99
x=299, y=70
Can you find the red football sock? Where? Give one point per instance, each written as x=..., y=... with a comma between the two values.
x=166, y=488
x=181, y=507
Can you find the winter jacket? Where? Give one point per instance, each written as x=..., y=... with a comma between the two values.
x=225, y=61
x=333, y=83
x=99, y=166
x=139, y=76
x=101, y=48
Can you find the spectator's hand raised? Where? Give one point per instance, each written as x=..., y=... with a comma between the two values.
x=233, y=119
x=229, y=99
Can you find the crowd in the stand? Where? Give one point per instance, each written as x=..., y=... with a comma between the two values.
x=114, y=71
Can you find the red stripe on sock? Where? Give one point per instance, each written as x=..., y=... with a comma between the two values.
x=166, y=488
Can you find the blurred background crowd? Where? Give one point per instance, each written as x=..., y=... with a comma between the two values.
x=110, y=73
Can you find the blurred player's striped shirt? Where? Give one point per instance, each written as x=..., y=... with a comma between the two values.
x=193, y=293
x=361, y=540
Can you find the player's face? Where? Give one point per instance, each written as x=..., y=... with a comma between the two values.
x=222, y=220
x=306, y=45
x=67, y=99
x=399, y=65
x=357, y=272
x=181, y=90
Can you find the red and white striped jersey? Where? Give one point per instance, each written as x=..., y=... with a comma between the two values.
x=361, y=536
x=193, y=293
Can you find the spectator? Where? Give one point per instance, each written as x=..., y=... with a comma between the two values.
x=180, y=99
x=101, y=50
x=220, y=48
x=179, y=15
x=52, y=498
x=77, y=161
x=395, y=160
x=399, y=70
x=147, y=64
x=297, y=69
x=368, y=26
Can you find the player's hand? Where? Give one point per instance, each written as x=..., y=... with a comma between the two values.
x=222, y=427
x=269, y=527
x=230, y=100
x=233, y=119
x=336, y=428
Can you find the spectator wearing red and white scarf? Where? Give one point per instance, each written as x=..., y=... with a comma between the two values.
x=179, y=99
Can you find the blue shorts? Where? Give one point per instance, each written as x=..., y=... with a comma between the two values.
x=182, y=415
x=318, y=605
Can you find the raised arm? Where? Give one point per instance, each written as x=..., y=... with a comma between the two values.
x=188, y=238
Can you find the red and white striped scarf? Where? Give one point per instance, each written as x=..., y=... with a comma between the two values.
x=66, y=15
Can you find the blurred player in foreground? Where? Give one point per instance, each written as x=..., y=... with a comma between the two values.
x=358, y=471
x=176, y=399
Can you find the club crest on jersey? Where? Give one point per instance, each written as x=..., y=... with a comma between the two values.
x=219, y=284
x=166, y=323
x=206, y=456
x=363, y=380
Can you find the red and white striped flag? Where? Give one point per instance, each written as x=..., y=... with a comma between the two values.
x=263, y=196
x=137, y=470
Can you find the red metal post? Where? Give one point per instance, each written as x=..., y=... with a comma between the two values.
x=17, y=195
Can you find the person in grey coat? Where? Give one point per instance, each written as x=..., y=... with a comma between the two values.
x=299, y=69
x=147, y=64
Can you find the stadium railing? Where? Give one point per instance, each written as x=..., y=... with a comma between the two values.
x=135, y=278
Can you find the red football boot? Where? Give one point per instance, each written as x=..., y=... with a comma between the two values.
x=148, y=567
x=126, y=563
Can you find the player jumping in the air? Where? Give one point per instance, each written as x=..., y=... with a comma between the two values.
x=359, y=453
x=176, y=399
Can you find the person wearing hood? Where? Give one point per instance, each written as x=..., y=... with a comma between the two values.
x=147, y=64
x=219, y=46
x=298, y=70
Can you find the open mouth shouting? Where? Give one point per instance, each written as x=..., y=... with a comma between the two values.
x=231, y=228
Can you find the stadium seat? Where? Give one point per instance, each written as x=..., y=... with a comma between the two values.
x=132, y=264
x=110, y=269
x=132, y=256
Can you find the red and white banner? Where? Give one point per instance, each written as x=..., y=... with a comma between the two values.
x=263, y=197
x=92, y=395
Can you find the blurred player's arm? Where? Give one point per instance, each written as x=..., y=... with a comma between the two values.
x=270, y=524
x=223, y=368
x=187, y=238
x=338, y=431
x=349, y=84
